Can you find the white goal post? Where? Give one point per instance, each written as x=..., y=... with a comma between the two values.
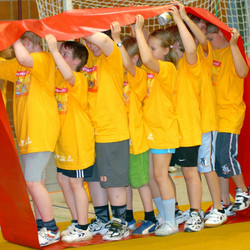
x=235, y=13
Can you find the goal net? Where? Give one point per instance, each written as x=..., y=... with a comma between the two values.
x=235, y=13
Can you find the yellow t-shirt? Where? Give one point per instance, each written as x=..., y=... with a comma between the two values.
x=209, y=117
x=36, y=117
x=75, y=148
x=187, y=103
x=4, y=87
x=158, y=112
x=106, y=104
x=134, y=91
x=229, y=89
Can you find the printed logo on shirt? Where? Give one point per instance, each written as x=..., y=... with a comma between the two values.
x=150, y=137
x=126, y=92
x=216, y=71
x=149, y=83
x=22, y=83
x=61, y=95
x=23, y=143
x=91, y=75
x=64, y=158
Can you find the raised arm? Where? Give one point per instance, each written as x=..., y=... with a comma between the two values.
x=64, y=68
x=145, y=52
x=240, y=64
x=200, y=36
x=22, y=54
x=186, y=37
x=102, y=41
x=127, y=63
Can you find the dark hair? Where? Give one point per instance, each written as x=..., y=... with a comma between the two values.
x=78, y=51
x=131, y=46
x=196, y=19
x=167, y=40
x=211, y=28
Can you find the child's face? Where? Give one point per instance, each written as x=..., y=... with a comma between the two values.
x=157, y=50
x=215, y=40
x=67, y=55
x=94, y=49
x=203, y=27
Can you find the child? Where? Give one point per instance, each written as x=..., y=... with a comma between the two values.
x=229, y=70
x=36, y=123
x=188, y=114
x=160, y=123
x=74, y=151
x=108, y=114
x=206, y=154
x=135, y=90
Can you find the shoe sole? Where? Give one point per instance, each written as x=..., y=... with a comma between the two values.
x=215, y=225
x=78, y=240
x=167, y=234
x=50, y=243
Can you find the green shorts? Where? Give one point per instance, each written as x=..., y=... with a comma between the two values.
x=139, y=169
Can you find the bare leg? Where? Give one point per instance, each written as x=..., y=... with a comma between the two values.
x=68, y=194
x=42, y=200
x=214, y=188
x=224, y=187
x=194, y=187
x=146, y=197
x=98, y=194
x=239, y=182
x=81, y=200
x=161, y=163
x=129, y=198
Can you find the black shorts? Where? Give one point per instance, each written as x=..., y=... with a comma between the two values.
x=185, y=156
x=81, y=173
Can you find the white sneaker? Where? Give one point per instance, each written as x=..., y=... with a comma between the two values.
x=159, y=219
x=179, y=217
x=68, y=229
x=98, y=227
x=117, y=230
x=241, y=201
x=167, y=228
x=215, y=218
x=186, y=214
x=47, y=237
x=195, y=222
x=77, y=235
x=227, y=208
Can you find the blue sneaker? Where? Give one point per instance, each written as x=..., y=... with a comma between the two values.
x=147, y=227
x=132, y=225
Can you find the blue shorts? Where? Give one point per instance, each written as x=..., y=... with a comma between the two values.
x=226, y=163
x=206, y=154
x=162, y=151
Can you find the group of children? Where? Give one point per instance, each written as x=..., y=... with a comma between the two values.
x=128, y=109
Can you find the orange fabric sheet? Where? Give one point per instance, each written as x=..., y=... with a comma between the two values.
x=16, y=217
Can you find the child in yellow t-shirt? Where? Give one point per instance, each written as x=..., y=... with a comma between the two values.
x=36, y=123
x=135, y=90
x=74, y=151
x=158, y=113
x=209, y=119
x=187, y=107
x=108, y=114
x=229, y=71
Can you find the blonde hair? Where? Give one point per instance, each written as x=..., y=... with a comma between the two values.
x=35, y=39
x=166, y=41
